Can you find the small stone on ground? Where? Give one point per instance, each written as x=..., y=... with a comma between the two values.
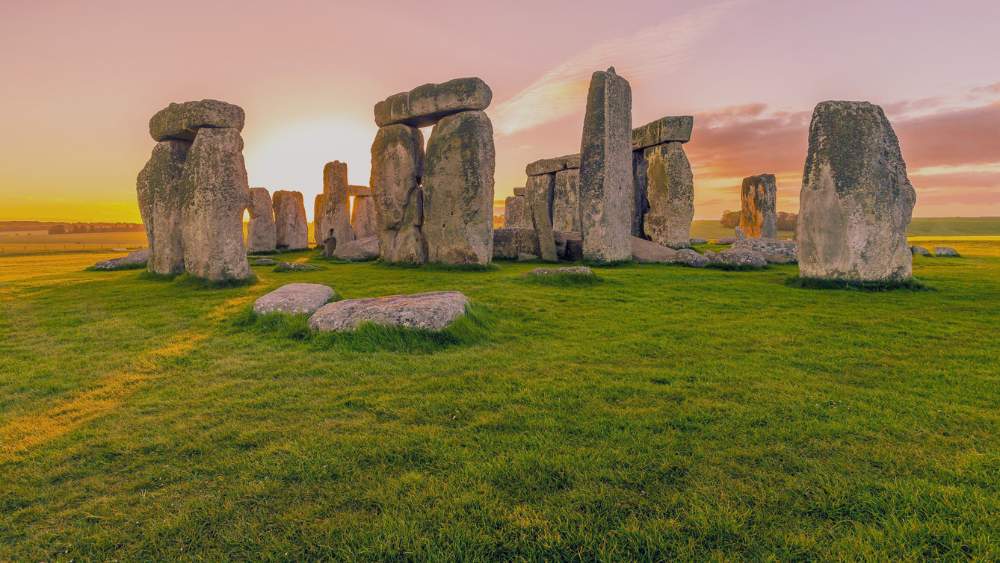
x=294, y=298
x=428, y=311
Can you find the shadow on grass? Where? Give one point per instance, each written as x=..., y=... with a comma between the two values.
x=193, y=282
x=116, y=268
x=911, y=284
x=439, y=267
x=473, y=328
x=563, y=279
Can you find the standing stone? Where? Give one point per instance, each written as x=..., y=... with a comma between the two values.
x=337, y=209
x=606, y=190
x=458, y=190
x=540, y=192
x=363, y=220
x=291, y=228
x=670, y=195
x=566, y=201
x=856, y=199
x=260, y=231
x=640, y=201
x=516, y=213
x=320, y=231
x=758, y=211
x=215, y=183
x=397, y=166
x=162, y=203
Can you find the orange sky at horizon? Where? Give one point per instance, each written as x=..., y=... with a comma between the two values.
x=83, y=80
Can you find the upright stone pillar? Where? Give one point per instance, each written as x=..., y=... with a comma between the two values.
x=566, y=201
x=337, y=211
x=215, y=180
x=758, y=207
x=320, y=230
x=458, y=190
x=291, y=227
x=161, y=204
x=540, y=194
x=260, y=230
x=856, y=198
x=516, y=213
x=397, y=166
x=606, y=189
x=363, y=219
x=670, y=195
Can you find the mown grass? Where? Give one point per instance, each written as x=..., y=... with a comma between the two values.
x=665, y=413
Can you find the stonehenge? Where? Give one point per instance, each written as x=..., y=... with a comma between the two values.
x=539, y=193
x=335, y=216
x=515, y=211
x=364, y=222
x=435, y=205
x=193, y=191
x=856, y=199
x=758, y=207
x=664, y=194
x=291, y=228
x=261, y=234
x=606, y=190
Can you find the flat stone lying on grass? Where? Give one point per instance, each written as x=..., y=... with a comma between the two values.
x=582, y=271
x=736, y=258
x=429, y=311
x=130, y=261
x=294, y=298
x=775, y=251
x=358, y=250
x=919, y=251
x=698, y=241
x=647, y=251
x=264, y=262
x=295, y=267
x=946, y=252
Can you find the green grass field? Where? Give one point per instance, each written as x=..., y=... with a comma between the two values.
x=663, y=413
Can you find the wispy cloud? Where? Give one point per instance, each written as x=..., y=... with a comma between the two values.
x=650, y=51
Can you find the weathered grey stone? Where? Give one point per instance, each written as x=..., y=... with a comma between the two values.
x=540, y=191
x=263, y=262
x=162, y=201
x=182, y=121
x=919, y=251
x=397, y=165
x=775, y=251
x=566, y=201
x=509, y=243
x=132, y=260
x=553, y=165
x=689, y=257
x=296, y=267
x=580, y=271
x=519, y=191
x=670, y=195
x=294, y=298
x=427, y=311
x=358, y=250
x=216, y=190
x=320, y=230
x=606, y=190
x=726, y=240
x=856, y=199
x=647, y=251
x=336, y=204
x=516, y=214
x=526, y=257
x=695, y=241
x=946, y=252
x=736, y=259
x=426, y=105
x=260, y=230
x=670, y=129
x=291, y=227
x=758, y=207
x=363, y=219
x=458, y=190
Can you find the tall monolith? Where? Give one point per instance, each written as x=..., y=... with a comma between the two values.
x=397, y=166
x=758, y=207
x=260, y=230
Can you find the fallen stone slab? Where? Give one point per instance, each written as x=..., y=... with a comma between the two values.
x=946, y=252
x=775, y=251
x=358, y=250
x=670, y=129
x=131, y=261
x=429, y=311
x=295, y=267
x=425, y=105
x=726, y=240
x=553, y=165
x=264, y=262
x=294, y=298
x=736, y=259
x=649, y=252
x=695, y=241
x=582, y=271
x=919, y=251
x=690, y=258
x=182, y=121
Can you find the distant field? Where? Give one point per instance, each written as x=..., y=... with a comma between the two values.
x=920, y=226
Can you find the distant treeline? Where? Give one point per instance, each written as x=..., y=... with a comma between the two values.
x=75, y=228
x=786, y=221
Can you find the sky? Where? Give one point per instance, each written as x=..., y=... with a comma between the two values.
x=80, y=81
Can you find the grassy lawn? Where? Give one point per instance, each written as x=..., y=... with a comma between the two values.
x=662, y=413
